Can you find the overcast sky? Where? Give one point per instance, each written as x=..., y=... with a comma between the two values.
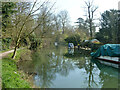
x=76, y=10
x=75, y=7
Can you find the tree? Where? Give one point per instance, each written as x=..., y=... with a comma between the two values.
x=81, y=22
x=64, y=19
x=32, y=12
x=57, y=22
x=8, y=8
x=45, y=18
x=118, y=33
x=82, y=29
x=75, y=39
x=90, y=15
x=109, y=27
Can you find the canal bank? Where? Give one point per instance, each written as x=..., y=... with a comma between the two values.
x=11, y=76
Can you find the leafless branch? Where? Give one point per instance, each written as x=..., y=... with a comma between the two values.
x=40, y=23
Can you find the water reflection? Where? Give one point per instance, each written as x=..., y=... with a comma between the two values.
x=49, y=63
x=109, y=76
x=58, y=67
x=71, y=51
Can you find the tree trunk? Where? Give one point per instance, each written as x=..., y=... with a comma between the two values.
x=91, y=33
x=118, y=28
x=17, y=44
x=63, y=28
x=14, y=53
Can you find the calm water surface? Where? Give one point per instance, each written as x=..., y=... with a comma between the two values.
x=58, y=67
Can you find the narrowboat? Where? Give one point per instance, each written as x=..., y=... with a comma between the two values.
x=108, y=54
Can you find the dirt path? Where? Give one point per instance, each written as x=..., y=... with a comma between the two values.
x=5, y=53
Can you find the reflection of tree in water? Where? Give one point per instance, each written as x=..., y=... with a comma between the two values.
x=108, y=81
x=108, y=75
x=77, y=53
x=82, y=60
x=48, y=64
x=88, y=66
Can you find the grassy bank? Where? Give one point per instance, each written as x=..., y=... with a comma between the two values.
x=11, y=78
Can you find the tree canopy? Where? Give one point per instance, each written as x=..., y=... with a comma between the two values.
x=109, y=27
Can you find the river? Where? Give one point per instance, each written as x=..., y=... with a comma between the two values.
x=59, y=67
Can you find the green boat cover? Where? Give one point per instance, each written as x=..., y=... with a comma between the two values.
x=112, y=50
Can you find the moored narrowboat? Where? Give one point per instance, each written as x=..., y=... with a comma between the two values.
x=108, y=54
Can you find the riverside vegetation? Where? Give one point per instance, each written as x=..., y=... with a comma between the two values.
x=11, y=77
x=35, y=26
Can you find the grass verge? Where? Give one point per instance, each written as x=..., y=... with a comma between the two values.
x=2, y=51
x=11, y=78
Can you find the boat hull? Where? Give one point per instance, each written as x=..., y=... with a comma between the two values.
x=111, y=61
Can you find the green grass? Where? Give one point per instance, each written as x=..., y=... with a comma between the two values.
x=18, y=54
x=11, y=78
x=2, y=51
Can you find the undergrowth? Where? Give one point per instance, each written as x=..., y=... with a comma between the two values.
x=11, y=78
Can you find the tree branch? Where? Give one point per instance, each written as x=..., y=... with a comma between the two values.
x=40, y=23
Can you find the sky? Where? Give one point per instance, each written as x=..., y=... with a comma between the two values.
x=76, y=9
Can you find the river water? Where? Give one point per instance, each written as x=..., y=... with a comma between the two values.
x=59, y=67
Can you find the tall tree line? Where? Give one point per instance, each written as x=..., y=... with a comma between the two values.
x=25, y=23
x=109, y=30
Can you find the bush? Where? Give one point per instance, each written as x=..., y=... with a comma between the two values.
x=6, y=43
x=35, y=42
x=75, y=39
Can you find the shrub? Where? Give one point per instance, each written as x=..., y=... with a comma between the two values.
x=75, y=39
x=6, y=43
x=35, y=42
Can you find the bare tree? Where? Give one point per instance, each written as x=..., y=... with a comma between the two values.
x=31, y=13
x=90, y=15
x=57, y=22
x=45, y=18
x=64, y=19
